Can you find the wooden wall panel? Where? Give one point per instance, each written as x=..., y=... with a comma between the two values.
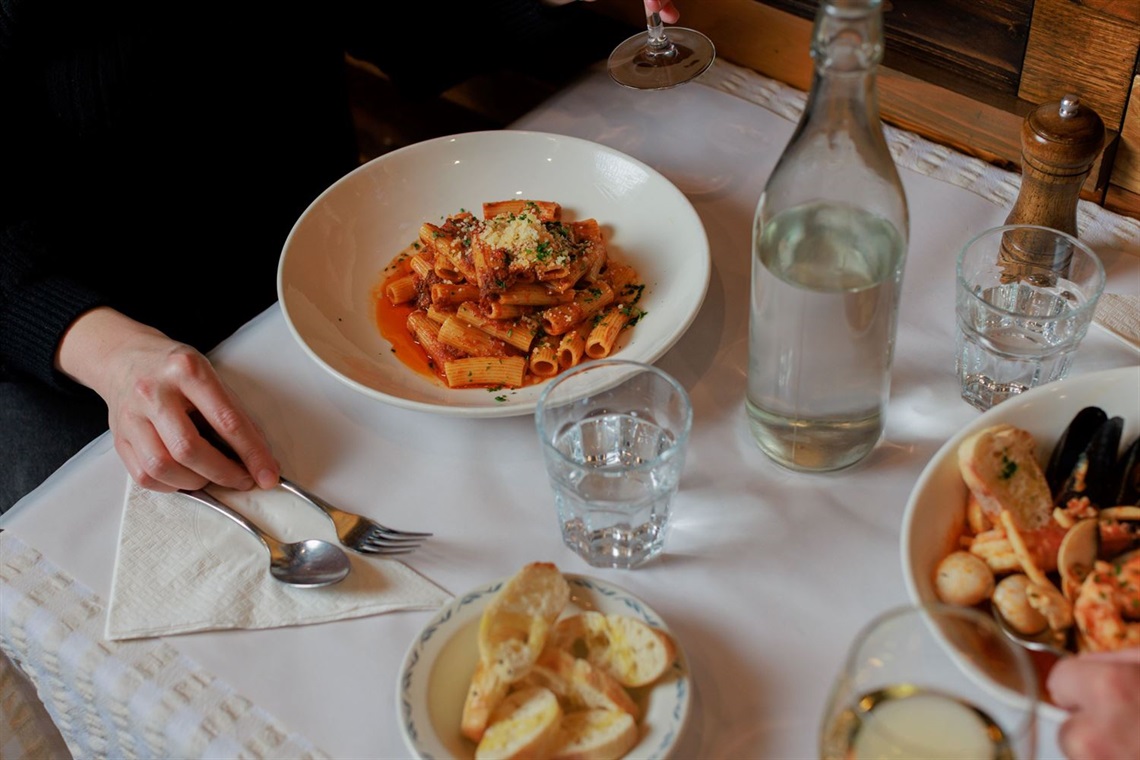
x=1126, y=167
x=1078, y=47
x=963, y=45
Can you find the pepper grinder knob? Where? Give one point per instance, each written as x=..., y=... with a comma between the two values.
x=1059, y=144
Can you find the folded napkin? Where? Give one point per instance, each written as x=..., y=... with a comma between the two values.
x=182, y=567
x=1120, y=315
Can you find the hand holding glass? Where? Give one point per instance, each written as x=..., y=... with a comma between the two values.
x=932, y=682
x=613, y=436
x=657, y=60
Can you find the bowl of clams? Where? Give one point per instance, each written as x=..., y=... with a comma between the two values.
x=1031, y=514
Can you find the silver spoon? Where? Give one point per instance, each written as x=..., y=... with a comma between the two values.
x=1045, y=641
x=307, y=563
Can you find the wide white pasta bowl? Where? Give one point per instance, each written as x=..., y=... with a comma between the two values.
x=335, y=254
x=936, y=509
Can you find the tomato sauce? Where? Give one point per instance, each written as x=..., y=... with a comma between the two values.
x=391, y=319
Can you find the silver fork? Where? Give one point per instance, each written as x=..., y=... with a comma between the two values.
x=357, y=532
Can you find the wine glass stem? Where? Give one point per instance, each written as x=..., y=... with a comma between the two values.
x=659, y=44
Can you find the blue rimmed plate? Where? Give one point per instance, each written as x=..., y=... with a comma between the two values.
x=438, y=666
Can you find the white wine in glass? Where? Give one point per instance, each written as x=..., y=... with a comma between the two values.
x=932, y=682
x=658, y=58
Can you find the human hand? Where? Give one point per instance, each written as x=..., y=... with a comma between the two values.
x=664, y=8
x=1102, y=692
x=154, y=388
x=667, y=10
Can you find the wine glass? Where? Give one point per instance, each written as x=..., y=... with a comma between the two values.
x=655, y=60
x=933, y=681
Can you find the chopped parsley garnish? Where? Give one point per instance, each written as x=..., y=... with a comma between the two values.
x=636, y=315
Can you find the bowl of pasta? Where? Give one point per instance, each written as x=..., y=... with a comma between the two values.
x=454, y=276
x=1000, y=517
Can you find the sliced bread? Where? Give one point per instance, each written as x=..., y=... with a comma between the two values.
x=630, y=650
x=487, y=690
x=525, y=725
x=578, y=684
x=595, y=735
x=515, y=625
x=999, y=465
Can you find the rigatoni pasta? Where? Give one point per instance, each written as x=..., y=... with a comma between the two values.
x=508, y=299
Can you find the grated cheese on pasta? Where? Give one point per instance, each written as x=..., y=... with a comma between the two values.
x=527, y=238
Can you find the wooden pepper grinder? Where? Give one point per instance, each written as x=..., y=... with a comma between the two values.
x=1059, y=143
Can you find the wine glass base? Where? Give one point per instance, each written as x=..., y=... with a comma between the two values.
x=634, y=64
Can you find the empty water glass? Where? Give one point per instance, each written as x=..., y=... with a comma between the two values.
x=1024, y=299
x=613, y=436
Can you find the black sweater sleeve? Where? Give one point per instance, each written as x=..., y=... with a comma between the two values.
x=38, y=297
x=445, y=42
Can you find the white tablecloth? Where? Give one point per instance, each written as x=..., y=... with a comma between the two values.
x=768, y=574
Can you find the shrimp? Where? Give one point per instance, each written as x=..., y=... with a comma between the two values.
x=1107, y=610
x=1006, y=548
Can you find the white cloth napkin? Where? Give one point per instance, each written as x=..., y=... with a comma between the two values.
x=184, y=567
x=1120, y=315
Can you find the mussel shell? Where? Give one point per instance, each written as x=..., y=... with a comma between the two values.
x=1073, y=441
x=1126, y=476
x=1092, y=474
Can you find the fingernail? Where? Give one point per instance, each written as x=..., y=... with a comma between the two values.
x=267, y=478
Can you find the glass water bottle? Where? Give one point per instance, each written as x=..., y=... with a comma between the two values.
x=829, y=242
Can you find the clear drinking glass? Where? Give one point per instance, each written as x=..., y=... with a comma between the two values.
x=613, y=436
x=659, y=59
x=933, y=681
x=1024, y=299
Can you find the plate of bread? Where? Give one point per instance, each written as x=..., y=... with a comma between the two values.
x=544, y=664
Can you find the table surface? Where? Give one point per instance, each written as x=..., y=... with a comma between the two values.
x=768, y=573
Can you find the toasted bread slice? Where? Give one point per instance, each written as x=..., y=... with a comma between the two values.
x=999, y=465
x=488, y=688
x=578, y=684
x=595, y=735
x=630, y=650
x=526, y=724
x=515, y=625
x=513, y=631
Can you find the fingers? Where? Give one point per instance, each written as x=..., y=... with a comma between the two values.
x=155, y=432
x=1102, y=693
x=248, y=458
x=1076, y=681
x=1093, y=735
x=665, y=8
x=235, y=434
x=190, y=451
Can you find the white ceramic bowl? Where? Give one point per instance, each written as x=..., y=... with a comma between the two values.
x=936, y=508
x=438, y=666
x=336, y=251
